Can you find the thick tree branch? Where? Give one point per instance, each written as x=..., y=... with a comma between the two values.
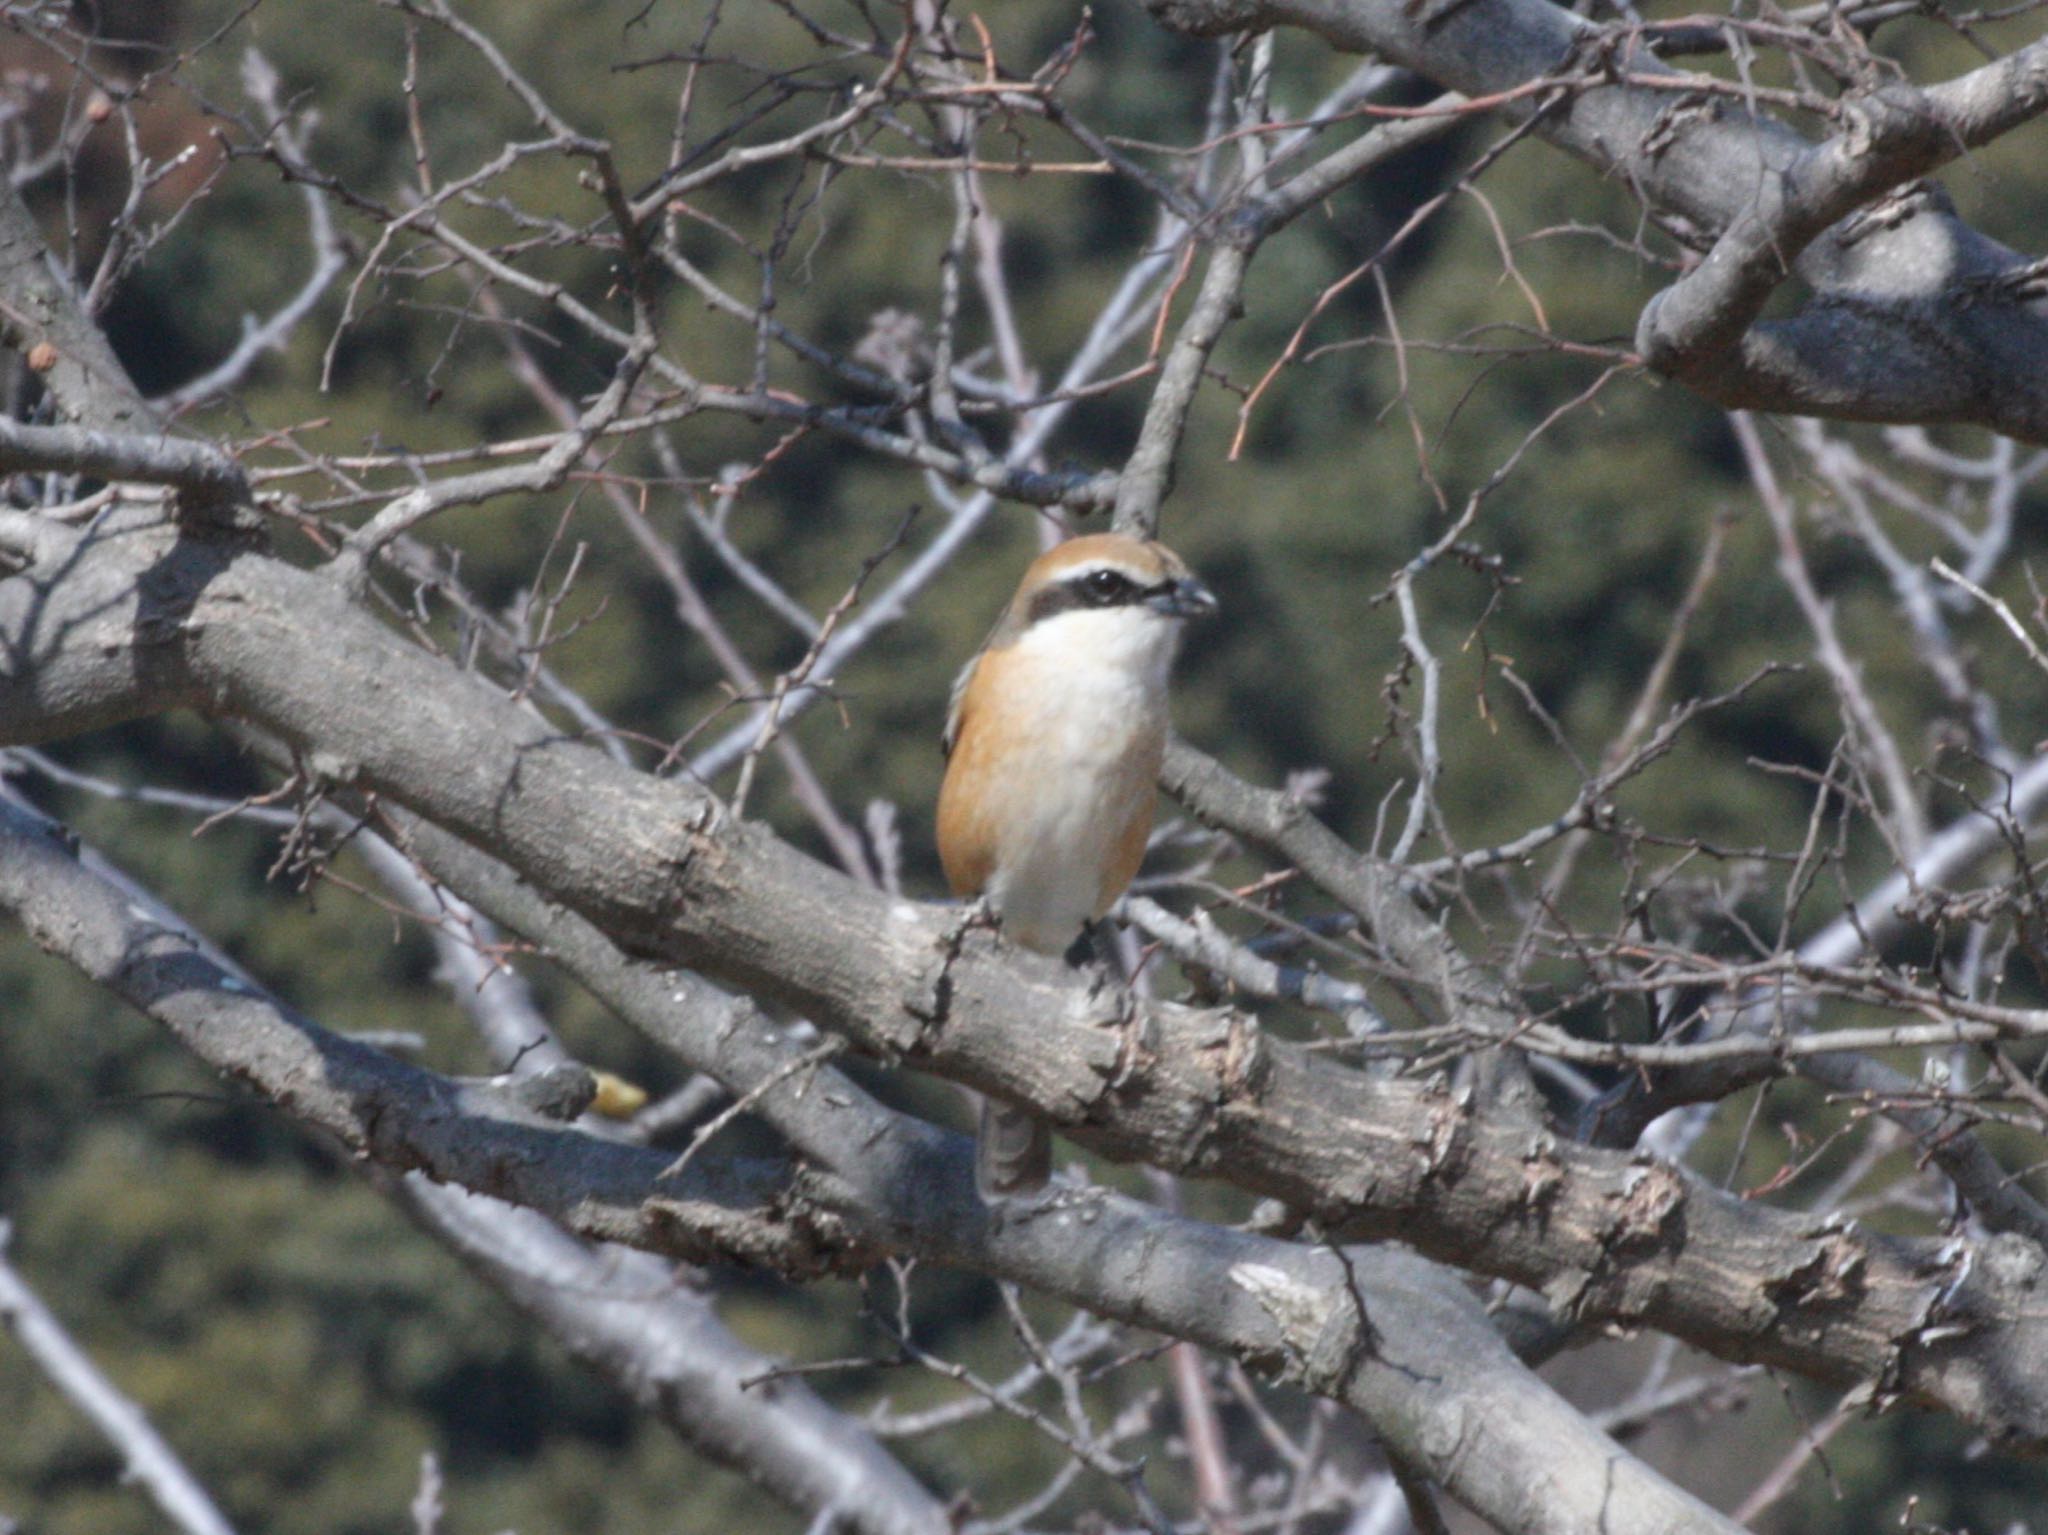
x=196, y=467
x=1916, y=316
x=907, y=1184
x=41, y=318
x=1379, y=1330
x=375, y=1105
x=138, y=615
x=1360, y=1326
x=1894, y=133
x=657, y=865
x=630, y=1315
x=625, y=1313
x=632, y=1319
x=708, y=932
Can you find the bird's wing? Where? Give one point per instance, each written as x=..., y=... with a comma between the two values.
x=956, y=707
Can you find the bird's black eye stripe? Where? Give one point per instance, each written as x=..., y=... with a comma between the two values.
x=1098, y=588
x=1105, y=587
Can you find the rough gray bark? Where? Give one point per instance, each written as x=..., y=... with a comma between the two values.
x=407, y=1119
x=56, y=338
x=625, y=1313
x=1377, y=1329
x=1489, y=1432
x=657, y=865
x=633, y=1319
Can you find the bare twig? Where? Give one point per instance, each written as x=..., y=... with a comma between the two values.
x=147, y=1459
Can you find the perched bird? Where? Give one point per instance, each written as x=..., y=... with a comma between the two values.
x=1053, y=747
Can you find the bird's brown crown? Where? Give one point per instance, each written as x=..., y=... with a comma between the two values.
x=1141, y=559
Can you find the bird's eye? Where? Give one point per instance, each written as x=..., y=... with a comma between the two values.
x=1105, y=586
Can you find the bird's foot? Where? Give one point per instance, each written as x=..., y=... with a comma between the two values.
x=1095, y=953
x=976, y=914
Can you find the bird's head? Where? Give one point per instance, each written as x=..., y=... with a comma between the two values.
x=1108, y=584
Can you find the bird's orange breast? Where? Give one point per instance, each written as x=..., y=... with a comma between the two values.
x=1048, y=796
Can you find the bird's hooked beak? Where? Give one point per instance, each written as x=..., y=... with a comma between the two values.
x=1185, y=598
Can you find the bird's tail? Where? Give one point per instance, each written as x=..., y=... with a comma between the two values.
x=1014, y=1152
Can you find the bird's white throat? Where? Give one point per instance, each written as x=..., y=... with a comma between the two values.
x=1110, y=648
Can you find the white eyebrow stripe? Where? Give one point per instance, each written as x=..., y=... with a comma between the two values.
x=1094, y=567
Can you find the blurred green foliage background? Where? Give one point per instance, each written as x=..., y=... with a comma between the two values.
x=298, y=1342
